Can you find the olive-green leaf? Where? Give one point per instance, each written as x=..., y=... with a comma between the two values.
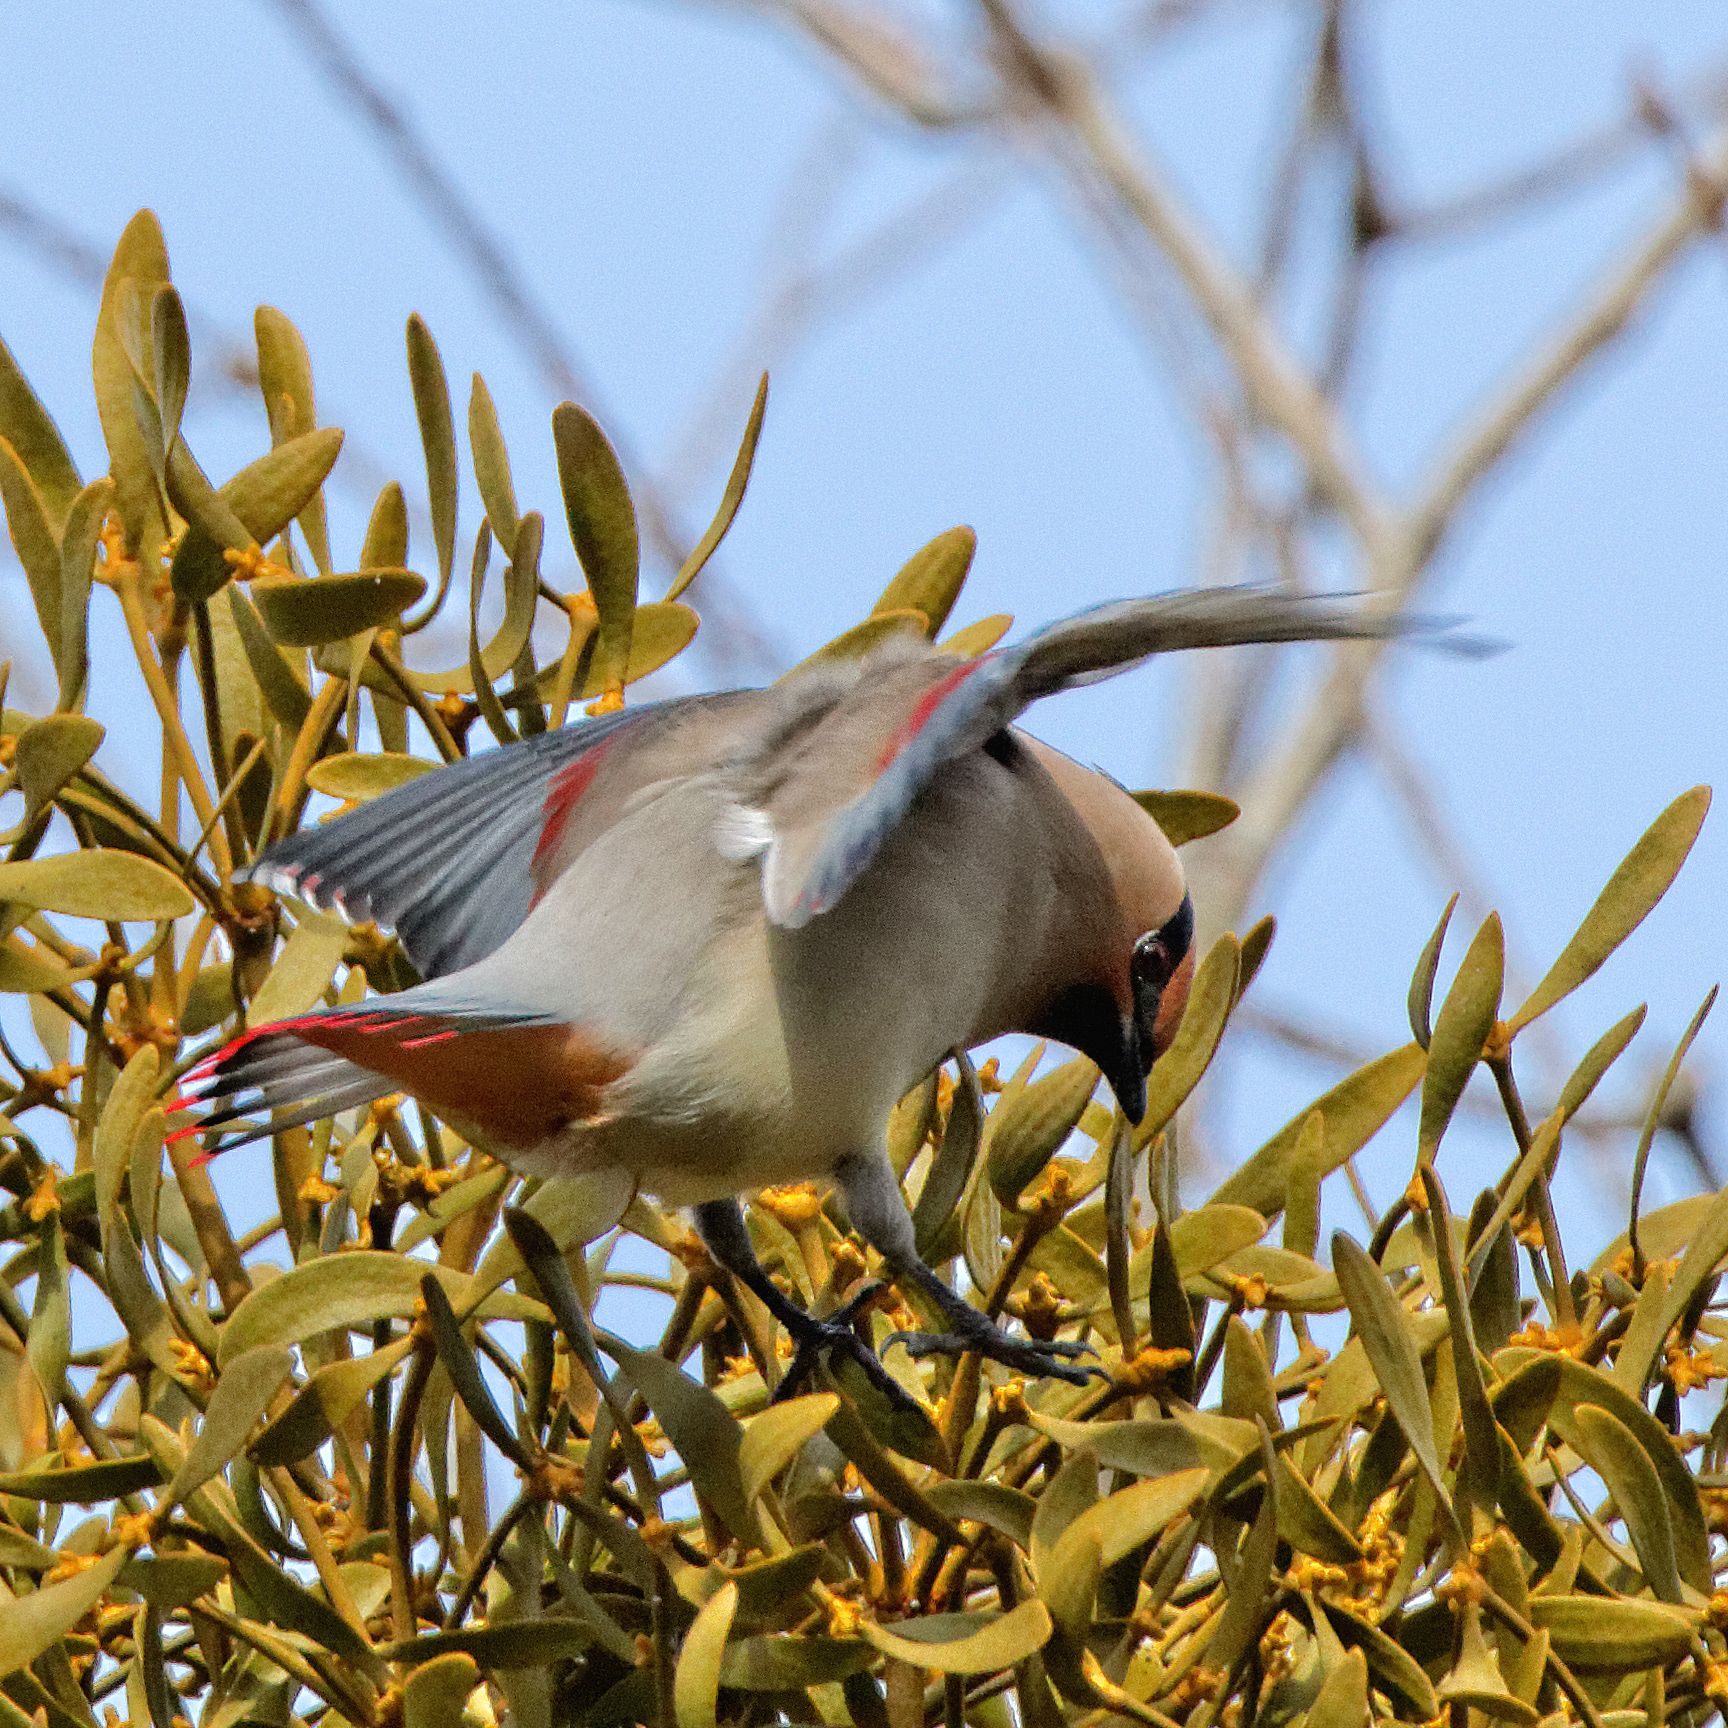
x=285, y=378
x=1152, y=1448
x=696, y=1680
x=1380, y=1321
x=97, y=883
x=1355, y=1111
x=602, y=523
x=50, y=1341
x=1654, y=1115
x=951, y=1166
x=139, y=265
x=730, y=499
x=117, y=1130
x=571, y=1209
x=1395, y=1671
x=352, y=1289
x=269, y=492
x=1256, y=945
x=1178, y=1071
x=786, y=1662
x=29, y=428
x=1210, y=1234
x=28, y=973
x=171, y=347
x=1421, y=996
x=35, y=542
x=1611, y=1451
x=521, y=596
x=965, y=1643
x=38, y=1621
x=491, y=463
x=1704, y=1253
x=865, y=638
x=1342, y=1701
x=930, y=581
x=50, y=753
x=971, y=640
x=386, y=544
x=767, y=1587
x=281, y=1597
x=435, y=1691
x=1466, y=1018
x=1576, y=1385
x=321, y=1406
x=243, y=1392
x=1025, y=1130
x=772, y=1439
x=460, y=1364
x=1476, y=1683
x=78, y=545
x=1613, y=1633
x=993, y=1504
x=535, y=1643
x=263, y=498
x=356, y=778
x=25, y=1552
x=303, y=969
x=83, y=1484
x=437, y=437
x=1186, y=816
x=1632, y=892
x=281, y=682
x=1308, y=1524
x=663, y=630
x=703, y=1432
x=1481, y=1442
x=319, y=609
x=1120, y=1522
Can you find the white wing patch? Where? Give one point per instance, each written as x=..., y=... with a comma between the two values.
x=742, y=833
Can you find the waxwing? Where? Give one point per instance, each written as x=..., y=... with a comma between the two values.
x=713, y=940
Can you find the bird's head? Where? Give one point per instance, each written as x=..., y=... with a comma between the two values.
x=1131, y=958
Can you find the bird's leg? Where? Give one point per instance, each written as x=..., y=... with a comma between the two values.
x=878, y=1210
x=720, y=1224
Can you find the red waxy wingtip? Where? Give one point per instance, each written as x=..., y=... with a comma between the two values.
x=185, y=1133
x=562, y=796
x=203, y=1158
x=928, y=703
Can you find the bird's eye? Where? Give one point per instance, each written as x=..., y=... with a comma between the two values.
x=1159, y=952
x=1153, y=962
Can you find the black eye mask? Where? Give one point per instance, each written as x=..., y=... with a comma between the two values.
x=1157, y=955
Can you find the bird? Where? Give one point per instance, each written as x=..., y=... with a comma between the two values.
x=712, y=940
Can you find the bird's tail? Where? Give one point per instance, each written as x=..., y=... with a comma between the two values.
x=314, y=1065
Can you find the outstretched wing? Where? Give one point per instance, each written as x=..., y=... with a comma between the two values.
x=453, y=860
x=816, y=853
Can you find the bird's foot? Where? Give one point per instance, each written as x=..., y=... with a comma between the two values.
x=1053, y=1359
x=817, y=1337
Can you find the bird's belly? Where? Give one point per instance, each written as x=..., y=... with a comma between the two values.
x=735, y=1097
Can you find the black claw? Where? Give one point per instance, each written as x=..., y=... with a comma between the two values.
x=1040, y=1360
x=816, y=1338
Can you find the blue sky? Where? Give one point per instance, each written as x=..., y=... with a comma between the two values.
x=638, y=160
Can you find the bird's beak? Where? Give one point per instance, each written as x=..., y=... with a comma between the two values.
x=1126, y=1072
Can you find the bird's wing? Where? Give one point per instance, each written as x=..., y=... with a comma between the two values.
x=878, y=748
x=454, y=860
